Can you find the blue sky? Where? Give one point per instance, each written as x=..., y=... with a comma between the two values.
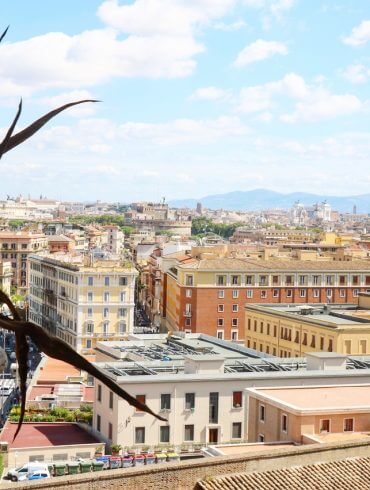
x=198, y=97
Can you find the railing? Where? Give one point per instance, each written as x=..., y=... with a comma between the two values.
x=187, y=314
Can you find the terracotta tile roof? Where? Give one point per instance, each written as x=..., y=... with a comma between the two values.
x=45, y=435
x=349, y=474
x=240, y=264
x=39, y=391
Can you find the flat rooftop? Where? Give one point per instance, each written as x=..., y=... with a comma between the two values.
x=320, y=398
x=45, y=435
x=335, y=315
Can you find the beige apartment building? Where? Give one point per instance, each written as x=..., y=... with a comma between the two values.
x=6, y=275
x=198, y=383
x=306, y=415
x=16, y=247
x=292, y=330
x=81, y=299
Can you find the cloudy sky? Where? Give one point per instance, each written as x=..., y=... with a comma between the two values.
x=197, y=97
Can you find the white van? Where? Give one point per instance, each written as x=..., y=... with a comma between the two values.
x=15, y=473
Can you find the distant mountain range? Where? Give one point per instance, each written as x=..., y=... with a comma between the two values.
x=260, y=199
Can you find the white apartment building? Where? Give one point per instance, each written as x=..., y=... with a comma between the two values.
x=82, y=300
x=115, y=239
x=199, y=384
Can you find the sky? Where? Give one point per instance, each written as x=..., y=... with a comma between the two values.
x=197, y=97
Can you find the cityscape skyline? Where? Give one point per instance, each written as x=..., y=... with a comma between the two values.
x=274, y=89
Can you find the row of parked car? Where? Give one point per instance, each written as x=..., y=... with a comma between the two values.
x=36, y=470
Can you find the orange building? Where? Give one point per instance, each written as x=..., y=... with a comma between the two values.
x=204, y=293
x=306, y=415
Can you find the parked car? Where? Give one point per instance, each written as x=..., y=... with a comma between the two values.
x=16, y=474
x=35, y=475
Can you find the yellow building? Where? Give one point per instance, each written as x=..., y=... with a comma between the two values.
x=293, y=330
x=82, y=300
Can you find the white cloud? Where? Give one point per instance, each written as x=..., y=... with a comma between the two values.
x=258, y=51
x=359, y=35
x=162, y=17
x=312, y=102
x=234, y=26
x=321, y=104
x=356, y=73
x=260, y=97
x=148, y=38
x=275, y=7
x=210, y=93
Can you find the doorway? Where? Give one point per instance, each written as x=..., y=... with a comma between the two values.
x=213, y=436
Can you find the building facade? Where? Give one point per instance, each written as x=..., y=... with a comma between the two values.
x=16, y=247
x=294, y=330
x=208, y=294
x=82, y=300
x=5, y=276
x=198, y=383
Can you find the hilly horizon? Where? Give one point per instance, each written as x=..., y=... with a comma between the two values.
x=263, y=199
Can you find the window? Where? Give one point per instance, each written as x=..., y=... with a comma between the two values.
x=262, y=413
x=275, y=293
x=236, y=432
x=110, y=431
x=139, y=435
x=235, y=308
x=189, y=401
x=89, y=312
x=122, y=327
x=355, y=280
x=111, y=400
x=220, y=308
x=141, y=399
x=235, y=280
x=235, y=294
x=90, y=281
x=122, y=312
x=263, y=280
x=122, y=296
x=188, y=293
x=329, y=293
x=213, y=408
x=106, y=297
x=220, y=334
x=98, y=423
x=321, y=343
x=164, y=433
x=234, y=322
x=122, y=281
x=261, y=438
x=90, y=296
x=263, y=294
x=99, y=393
x=316, y=293
x=275, y=280
x=302, y=293
x=288, y=293
x=313, y=341
x=249, y=323
x=348, y=425
x=284, y=423
x=342, y=293
x=221, y=280
x=234, y=335
x=355, y=292
x=189, y=280
x=316, y=280
x=221, y=293
x=249, y=293
x=106, y=281
x=90, y=327
x=304, y=341
x=220, y=322
x=105, y=312
x=237, y=399
x=330, y=346
x=166, y=401
x=329, y=280
x=302, y=280
x=189, y=433
x=105, y=328
x=88, y=344
x=249, y=280
x=289, y=280
x=325, y=425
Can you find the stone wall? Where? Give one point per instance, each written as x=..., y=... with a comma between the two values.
x=184, y=475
